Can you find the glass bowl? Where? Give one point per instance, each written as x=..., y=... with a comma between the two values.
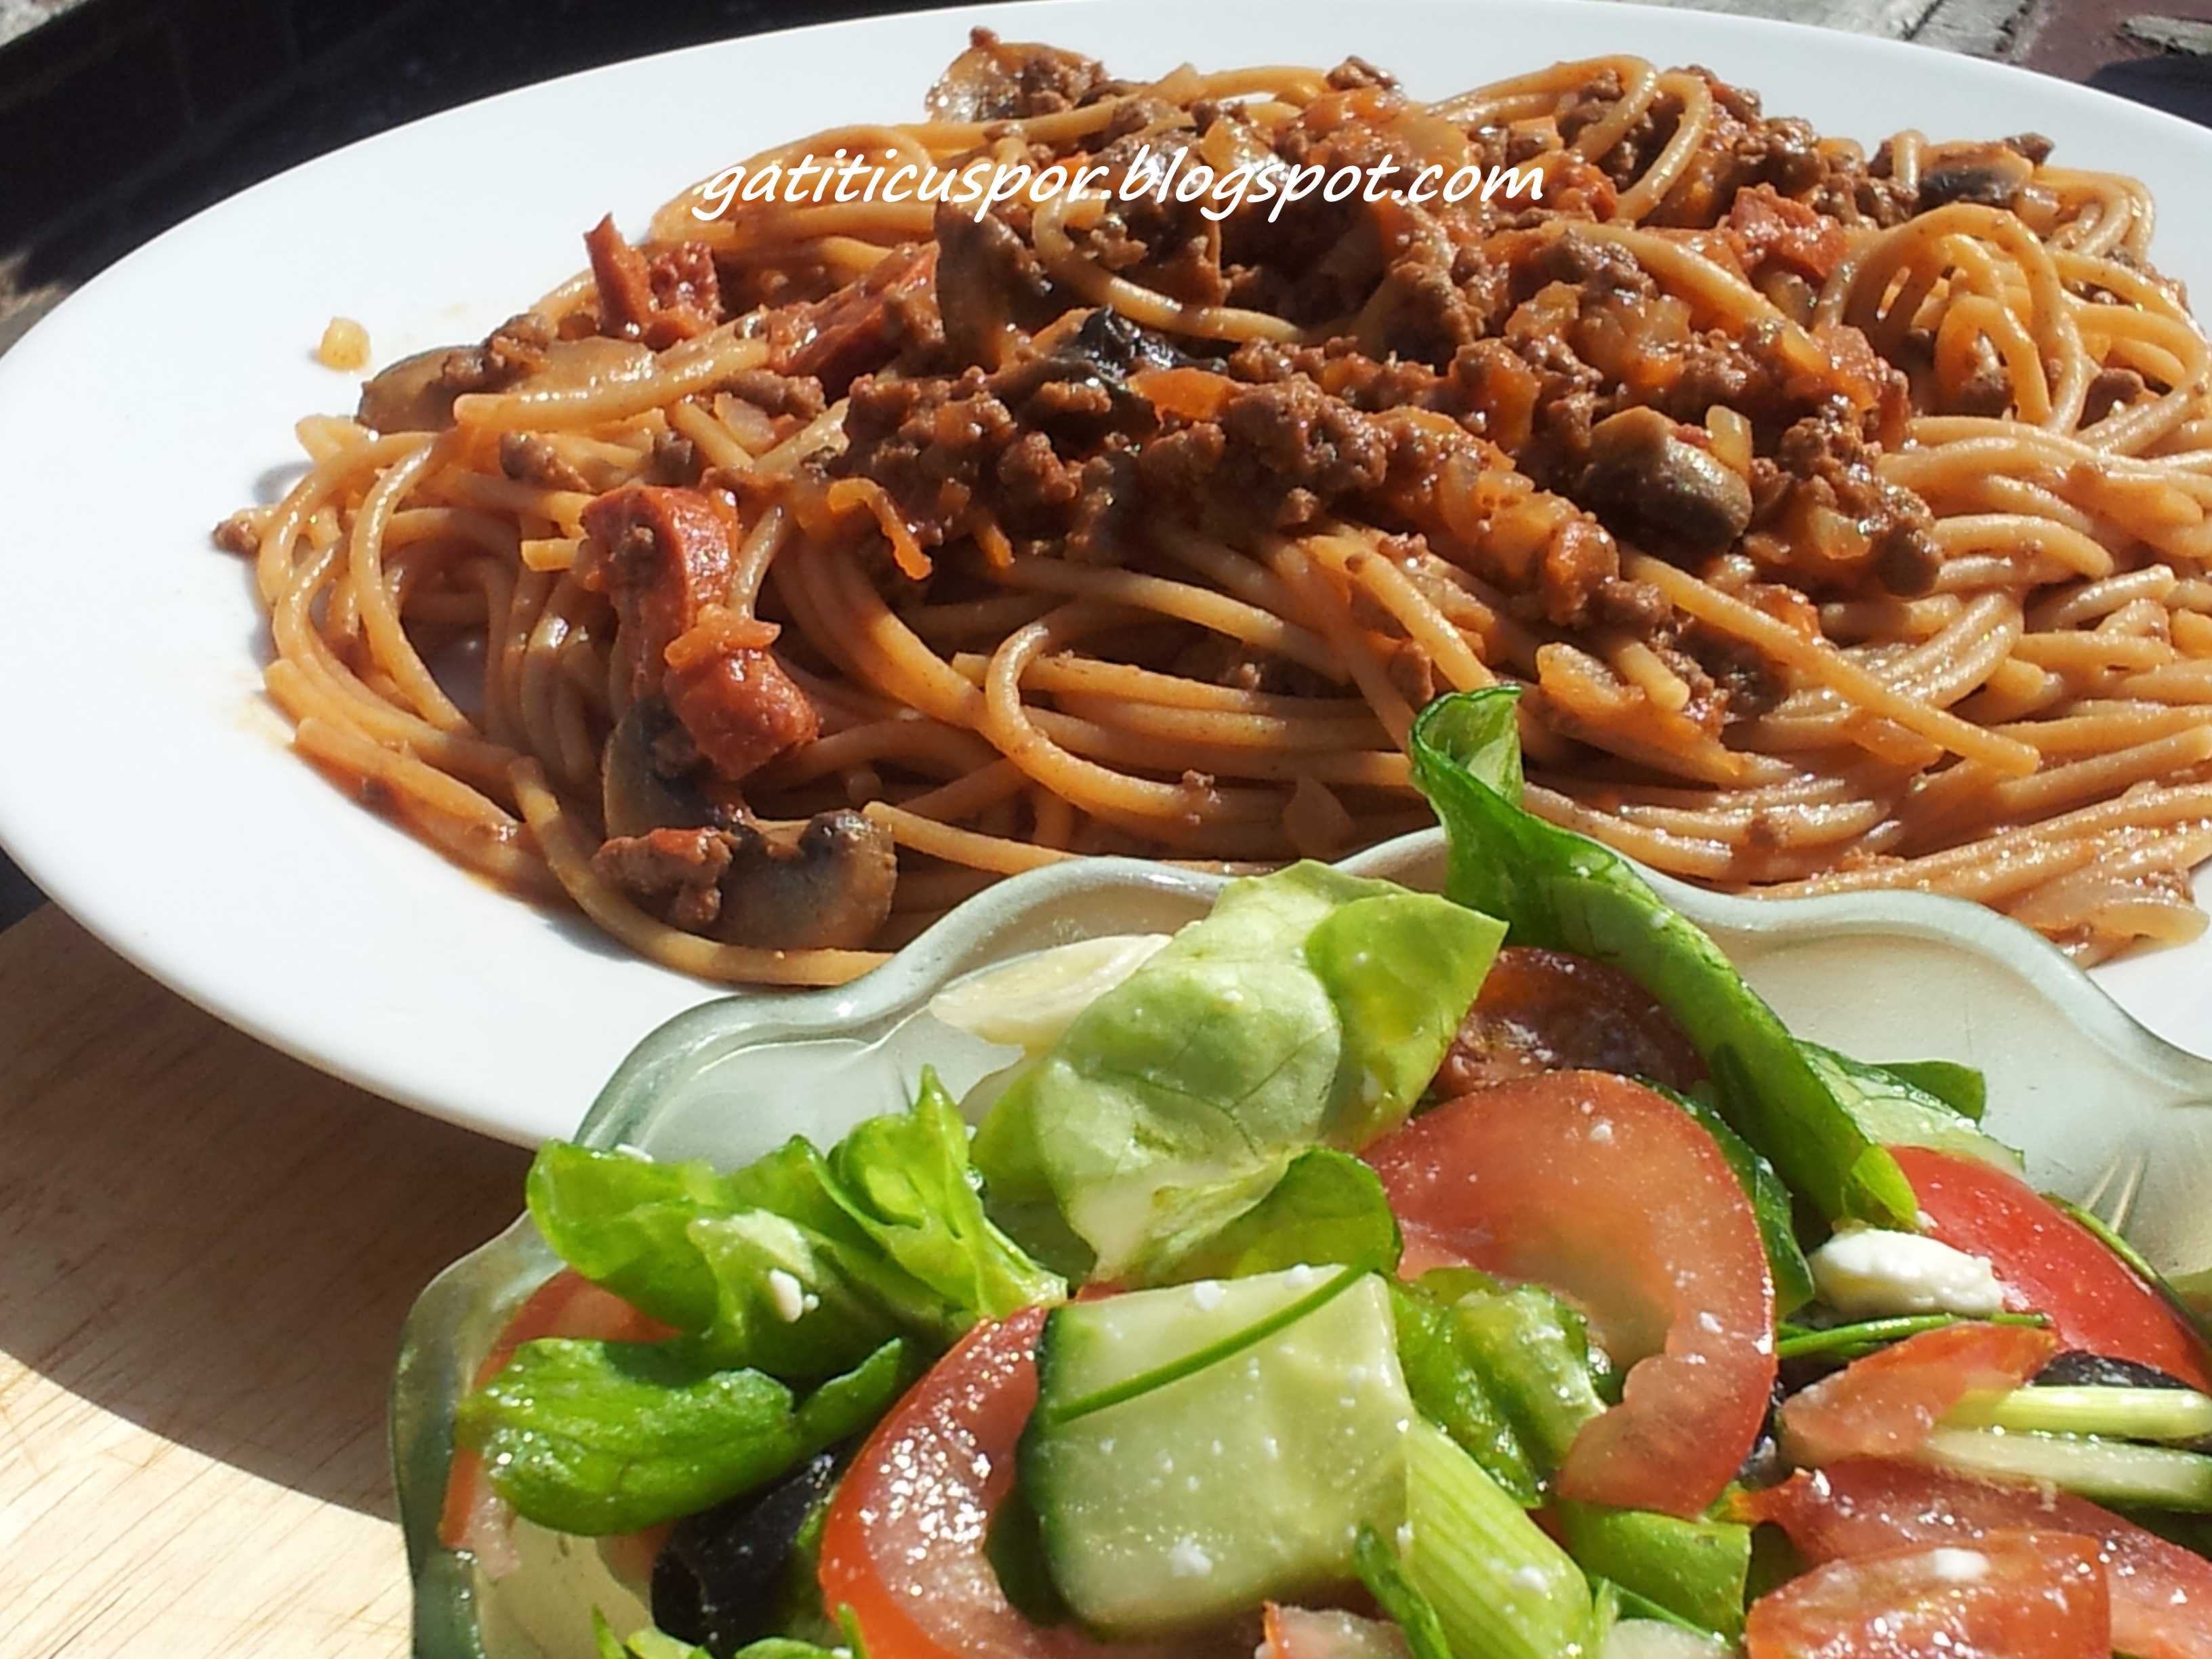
x=2108, y=1114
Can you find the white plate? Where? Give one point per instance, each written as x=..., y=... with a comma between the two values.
x=146, y=784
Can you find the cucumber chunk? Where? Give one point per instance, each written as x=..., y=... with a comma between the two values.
x=1199, y=1450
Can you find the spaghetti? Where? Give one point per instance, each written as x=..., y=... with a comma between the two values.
x=781, y=580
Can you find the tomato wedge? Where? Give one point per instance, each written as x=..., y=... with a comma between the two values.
x=2161, y=1593
x=2008, y=1596
x=1614, y=1196
x=2049, y=1263
x=903, y=1544
x=475, y=1517
x=1884, y=1405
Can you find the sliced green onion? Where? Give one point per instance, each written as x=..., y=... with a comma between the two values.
x=2121, y=1413
x=1855, y=1341
x=1501, y=1588
x=1212, y=1354
x=2109, y=1470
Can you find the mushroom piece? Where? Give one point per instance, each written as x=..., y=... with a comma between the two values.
x=1649, y=482
x=639, y=789
x=412, y=395
x=1992, y=175
x=825, y=884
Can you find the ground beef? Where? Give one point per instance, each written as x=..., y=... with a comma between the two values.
x=997, y=80
x=675, y=459
x=1355, y=72
x=774, y=394
x=416, y=393
x=675, y=874
x=1825, y=462
x=529, y=460
x=2110, y=389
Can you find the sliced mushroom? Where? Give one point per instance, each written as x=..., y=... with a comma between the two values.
x=416, y=393
x=412, y=395
x=640, y=790
x=1645, y=479
x=1990, y=175
x=826, y=885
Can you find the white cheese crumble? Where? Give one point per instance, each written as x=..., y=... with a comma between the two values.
x=1186, y=1560
x=1957, y=1566
x=789, y=1297
x=1207, y=1295
x=1868, y=1272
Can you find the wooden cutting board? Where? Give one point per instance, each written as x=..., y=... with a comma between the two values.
x=206, y=1250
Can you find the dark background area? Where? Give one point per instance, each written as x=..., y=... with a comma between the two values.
x=120, y=118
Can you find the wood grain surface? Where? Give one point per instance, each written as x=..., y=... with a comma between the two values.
x=205, y=1253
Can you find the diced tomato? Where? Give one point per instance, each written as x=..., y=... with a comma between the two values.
x=2161, y=1593
x=475, y=1517
x=1614, y=1196
x=1764, y=227
x=2008, y=1596
x=2049, y=1263
x=1327, y=1633
x=903, y=1544
x=1549, y=1011
x=1884, y=1405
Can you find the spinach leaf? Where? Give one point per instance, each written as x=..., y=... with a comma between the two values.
x=595, y=1437
x=1769, y=1203
x=1556, y=889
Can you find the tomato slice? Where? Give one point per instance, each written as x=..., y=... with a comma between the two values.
x=475, y=1517
x=1327, y=1633
x=1615, y=1197
x=1549, y=1011
x=2049, y=1263
x=903, y=1544
x=1884, y=1405
x=2008, y=1596
x=2161, y=1593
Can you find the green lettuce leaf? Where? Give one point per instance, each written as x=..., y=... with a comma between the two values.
x=622, y=1220
x=905, y=1183
x=596, y=1437
x=1564, y=890
x=1328, y=1208
x=1310, y=1008
x=798, y=1264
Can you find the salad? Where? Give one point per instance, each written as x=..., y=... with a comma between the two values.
x=1361, y=1273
